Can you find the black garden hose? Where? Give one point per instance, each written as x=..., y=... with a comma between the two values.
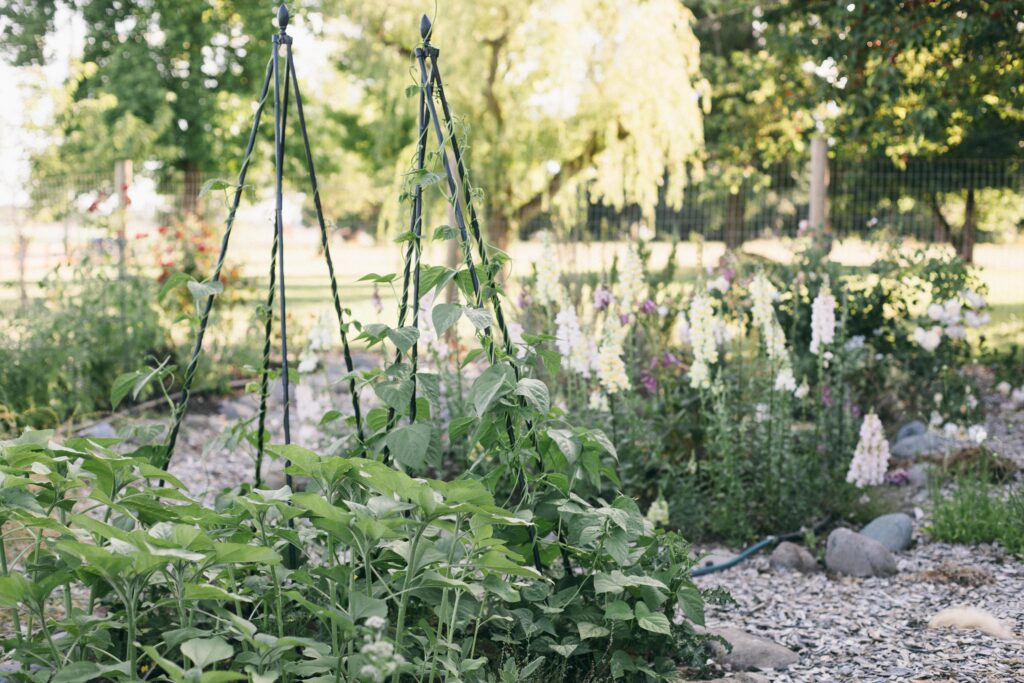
x=765, y=542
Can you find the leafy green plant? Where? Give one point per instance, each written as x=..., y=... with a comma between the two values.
x=978, y=511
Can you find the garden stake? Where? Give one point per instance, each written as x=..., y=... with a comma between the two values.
x=273, y=74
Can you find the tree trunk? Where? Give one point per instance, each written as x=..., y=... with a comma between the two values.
x=942, y=231
x=190, y=193
x=970, y=231
x=498, y=228
x=735, y=215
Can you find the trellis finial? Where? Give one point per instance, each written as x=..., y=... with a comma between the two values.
x=425, y=28
x=282, y=17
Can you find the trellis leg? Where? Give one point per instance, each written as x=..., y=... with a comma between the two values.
x=474, y=222
x=412, y=252
x=280, y=120
x=324, y=243
x=268, y=327
x=190, y=372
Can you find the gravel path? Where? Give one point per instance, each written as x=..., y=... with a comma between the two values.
x=847, y=629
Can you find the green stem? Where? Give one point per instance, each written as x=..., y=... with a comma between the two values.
x=404, y=602
x=16, y=618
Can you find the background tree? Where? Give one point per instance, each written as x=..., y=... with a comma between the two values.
x=170, y=81
x=915, y=79
x=754, y=120
x=549, y=92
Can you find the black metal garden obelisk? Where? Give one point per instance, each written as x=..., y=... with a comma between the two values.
x=284, y=81
x=485, y=289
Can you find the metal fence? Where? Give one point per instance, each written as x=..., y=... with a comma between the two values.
x=925, y=200
x=62, y=219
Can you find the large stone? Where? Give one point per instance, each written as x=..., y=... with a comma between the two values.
x=792, y=557
x=911, y=429
x=918, y=475
x=750, y=651
x=100, y=430
x=848, y=552
x=918, y=445
x=971, y=618
x=895, y=531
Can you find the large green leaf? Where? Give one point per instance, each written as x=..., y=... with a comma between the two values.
x=444, y=316
x=396, y=395
x=233, y=553
x=619, y=610
x=203, y=652
x=13, y=590
x=404, y=337
x=409, y=443
x=655, y=622
x=692, y=603
x=480, y=317
x=535, y=392
x=492, y=384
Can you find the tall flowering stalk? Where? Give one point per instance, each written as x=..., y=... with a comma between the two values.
x=611, y=370
x=702, y=340
x=871, y=458
x=762, y=293
x=569, y=339
x=631, y=288
x=549, y=288
x=823, y=319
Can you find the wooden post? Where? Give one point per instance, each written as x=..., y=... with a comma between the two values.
x=818, y=217
x=122, y=183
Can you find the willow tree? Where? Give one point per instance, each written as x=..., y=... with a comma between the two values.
x=554, y=94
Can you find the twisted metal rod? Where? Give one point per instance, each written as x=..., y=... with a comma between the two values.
x=190, y=372
x=268, y=326
x=280, y=120
x=324, y=243
x=412, y=253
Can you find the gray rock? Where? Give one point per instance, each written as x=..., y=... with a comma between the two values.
x=744, y=677
x=848, y=552
x=928, y=443
x=914, y=428
x=792, y=557
x=750, y=651
x=919, y=474
x=237, y=409
x=895, y=531
x=100, y=430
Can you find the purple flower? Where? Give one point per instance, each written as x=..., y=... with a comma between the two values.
x=669, y=360
x=524, y=299
x=624, y=318
x=602, y=298
x=897, y=477
x=376, y=302
x=648, y=307
x=826, y=396
x=649, y=383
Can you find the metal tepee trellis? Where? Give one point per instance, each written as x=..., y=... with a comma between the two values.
x=275, y=75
